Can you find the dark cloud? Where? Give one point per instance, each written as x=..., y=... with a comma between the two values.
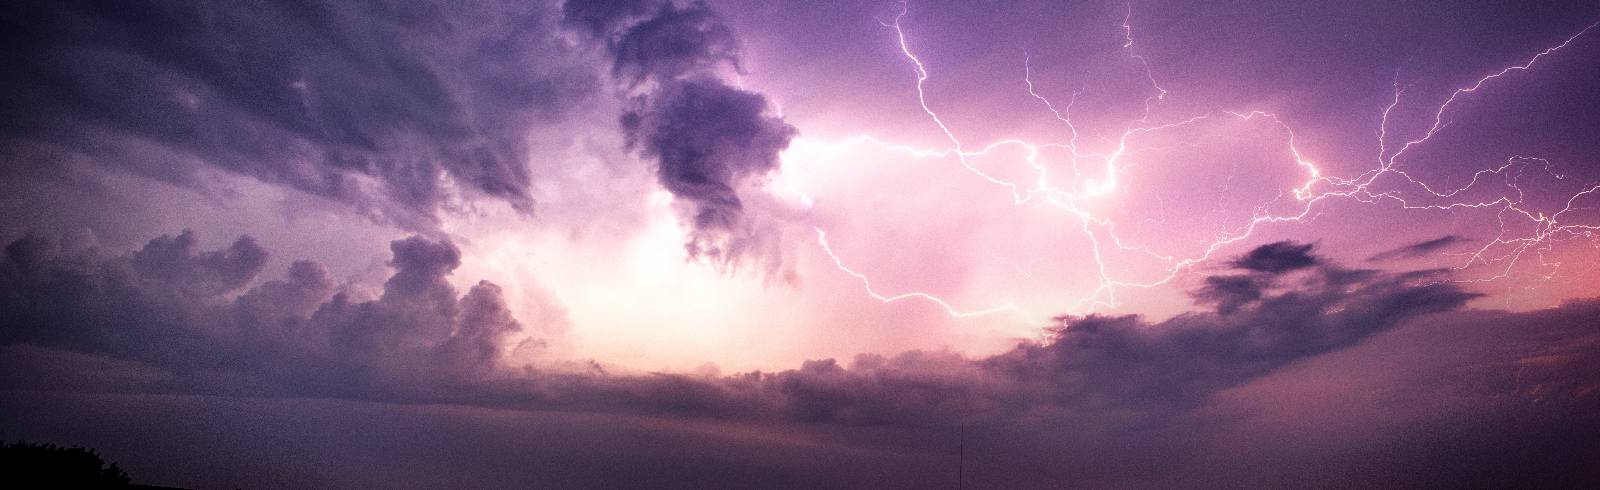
x=1418, y=249
x=1455, y=398
x=173, y=260
x=710, y=140
x=392, y=106
x=175, y=308
x=275, y=312
x=89, y=321
x=419, y=340
x=1277, y=258
x=1185, y=359
x=476, y=346
x=653, y=41
x=707, y=138
x=1088, y=364
x=674, y=43
x=1229, y=293
x=602, y=18
x=148, y=305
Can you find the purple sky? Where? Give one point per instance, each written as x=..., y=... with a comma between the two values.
x=802, y=244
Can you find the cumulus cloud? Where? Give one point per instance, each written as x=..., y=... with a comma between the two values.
x=1461, y=399
x=176, y=308
x=173, y=260
x=419, y=340
x=1092, y=363
x=395, y=107
x=171, y=318
x=710, y=140
x=143, y=305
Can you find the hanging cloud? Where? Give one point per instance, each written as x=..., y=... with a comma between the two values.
x=710, y=140
x=393, y=107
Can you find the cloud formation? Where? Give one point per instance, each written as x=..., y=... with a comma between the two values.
x=419, y=340
x=396, y=107
x=1418, y=249
x=1277, y=258
x=182, y=310
x=171, y=318
x=710, y=140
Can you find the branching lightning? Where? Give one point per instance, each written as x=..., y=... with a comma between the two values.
x=1504, y=251
x=822, y=239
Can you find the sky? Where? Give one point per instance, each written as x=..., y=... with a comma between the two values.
x=646, y=243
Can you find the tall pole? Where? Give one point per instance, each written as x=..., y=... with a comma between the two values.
x=961, y=457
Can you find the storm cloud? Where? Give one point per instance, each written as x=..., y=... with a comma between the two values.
x=400, y=109
x=186, y=311
x=1418, y=249
x=420, y=340
x=1277, y=258
x=443, y=244
x=710, y=140
x=201, y=328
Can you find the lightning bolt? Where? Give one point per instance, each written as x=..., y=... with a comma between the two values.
x=1127, y=44
x=822, y=239
x=1504, y=251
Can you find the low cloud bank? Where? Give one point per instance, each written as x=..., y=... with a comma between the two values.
x=188, y=313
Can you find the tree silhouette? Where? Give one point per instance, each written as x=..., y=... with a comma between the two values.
x=49, y=465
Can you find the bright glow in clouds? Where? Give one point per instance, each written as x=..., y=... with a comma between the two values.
x=887, y=246
x=804, y=243
x=1095, y=202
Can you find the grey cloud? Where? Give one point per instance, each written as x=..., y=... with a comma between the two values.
x=1418, y=249
x=417, y=333
x=1463, y=399
x=654, y=40
x=153, y=305
x=167, y=305
x=675, y=43
x=1277, y=258
x=1120, y=363
x=173, y=260
x=378, y=104
x=29, y=252
x=1088, y=364
x=477, y=344
x=274, y=313
x=1229, y=293
x=1185, y=359
x=1093, y=384
x=709, y=140
x=420, y=341
x=602, y=18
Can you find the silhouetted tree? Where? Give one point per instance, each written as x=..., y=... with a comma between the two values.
x=24, y=464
